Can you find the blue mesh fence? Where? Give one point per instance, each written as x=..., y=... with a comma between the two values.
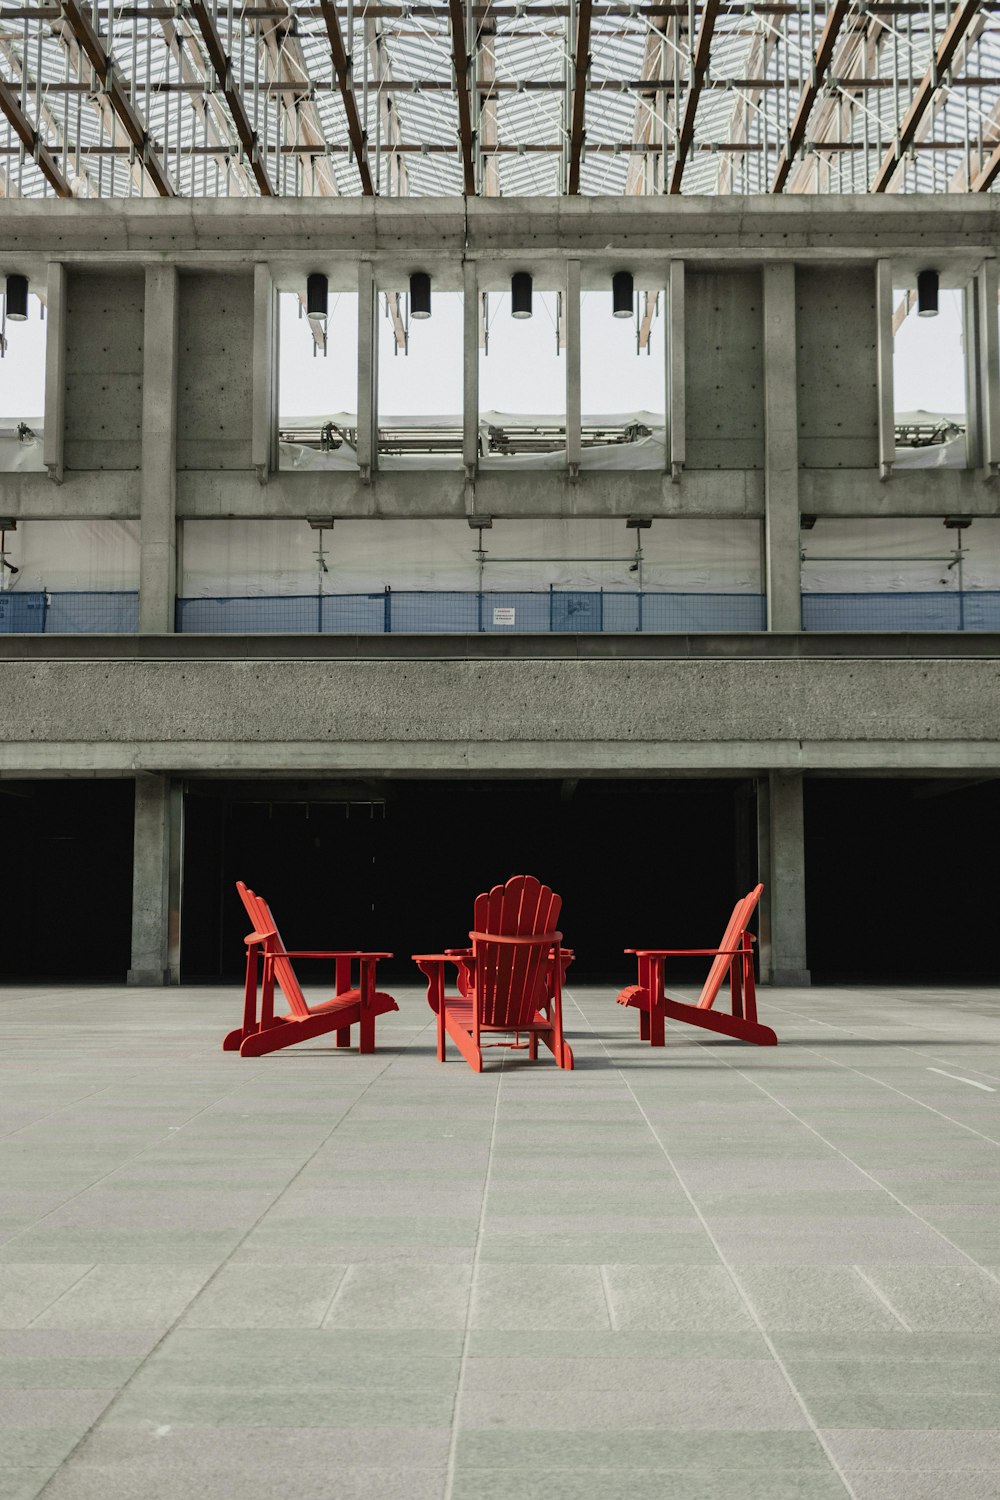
x=972, y=610
x=470, y=612
x=78, y=613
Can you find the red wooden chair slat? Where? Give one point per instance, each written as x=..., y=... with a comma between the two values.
x=732, y=957
x=269, y=964
x=510, y=980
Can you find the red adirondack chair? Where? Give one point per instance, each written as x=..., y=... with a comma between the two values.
x=733, y=956
x=510, y=980
x=269, y=960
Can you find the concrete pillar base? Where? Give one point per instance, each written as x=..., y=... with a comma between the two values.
x=790, y=979
x=148, y=978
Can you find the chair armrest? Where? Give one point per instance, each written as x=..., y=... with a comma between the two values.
x=255, y=937
x=436, y=958
x=327, y=953
x=681, y=952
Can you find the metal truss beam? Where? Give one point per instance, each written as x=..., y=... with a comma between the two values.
x=581, y=71
x=223, y=68
x=30, y=138
x=342, y=68
x=962, y=18
x=103, y=64
x=460, y=58
x=700, y=53
x=825, y=49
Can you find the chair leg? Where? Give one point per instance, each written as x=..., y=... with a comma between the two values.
x=367, y=1029
x=441, y=1032
x=533, y=1046
x=344, y=1036
x=657, y=1035
x=644, y=1026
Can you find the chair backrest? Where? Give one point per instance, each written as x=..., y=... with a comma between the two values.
x=736, y=926
x=509, y=976
x=263, y=922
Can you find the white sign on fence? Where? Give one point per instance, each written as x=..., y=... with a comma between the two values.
x=504, y=616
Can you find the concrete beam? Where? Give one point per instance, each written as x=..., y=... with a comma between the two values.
x=782, y=547
x=290, y=233
x=158, y=531
x=985, y=290
x=443, y=715
x=264, y=433
x=884, y=349
x=367, y=372
x=470, y=369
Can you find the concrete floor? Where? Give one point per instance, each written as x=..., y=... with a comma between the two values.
x=713, y=1272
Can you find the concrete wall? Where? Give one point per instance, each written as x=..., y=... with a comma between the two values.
x=724, y=369
x=215, y=372
x=837, y=375
x=104, y=317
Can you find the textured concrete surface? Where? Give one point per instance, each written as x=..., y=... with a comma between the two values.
x=712, y=1272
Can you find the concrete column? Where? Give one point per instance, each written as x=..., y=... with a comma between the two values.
x=367, y=371
x=573, y=408
x=263, y=432
x=674, y=354
x=470, y=368
x=985, y=292
x=158, y=531
x=156, y=866
x=782, y=546
x=884, y=347
x=54, y=436
x=781, y=863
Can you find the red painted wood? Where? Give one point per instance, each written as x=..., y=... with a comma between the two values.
x=733, y=958
x=269, y=964
x=510, y=980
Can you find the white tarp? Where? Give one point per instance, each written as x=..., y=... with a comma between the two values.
x=227, y=558
x=899, y=556
x=73, y=555
x=21, y=456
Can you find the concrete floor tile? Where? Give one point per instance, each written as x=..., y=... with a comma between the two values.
x=148, y=1405
x=638, y=1449
x=917, y=1484
x=861, y=1448
x=829, y=1299
x=648, y=1484
x=698, y=1298
x=262, y=1296
x=677, y=1249
x=23, y=1484
x=214, y=1482
x=414, y=1295
x=126, y=1297
x=540, y=1295
x=26, y=1289
x=958, y=1297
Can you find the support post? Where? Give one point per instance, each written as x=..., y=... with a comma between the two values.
x=782, y=546
x=573, y=409
x=155, y=871
x=367, y=372
x=54, y=437
x=158, y=514
x=781, y=861
x=884, y=346
x=674, y=354
x=263, y=422
x=470, y=369
x=989, y=369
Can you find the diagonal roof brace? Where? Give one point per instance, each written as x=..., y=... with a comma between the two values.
x=827, y=45
x=223, y=67
x=117, y=93
x=962, y=18
x=700, y=54
x=581, y=71
x=31, y=140
x=342, y=66
x=460, y=58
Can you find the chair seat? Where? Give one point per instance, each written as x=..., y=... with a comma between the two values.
x=380, y=1003
x=461, y=1009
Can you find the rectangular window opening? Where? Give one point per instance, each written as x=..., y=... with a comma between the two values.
x=930, y=379
x=22, y=391
x=318, y=383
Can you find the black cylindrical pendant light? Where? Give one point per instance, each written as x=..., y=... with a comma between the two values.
x=420, y=295
x=927, y=294
x=17, y=299
x=520, y=295
x=622, y=294
x=316, y=296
